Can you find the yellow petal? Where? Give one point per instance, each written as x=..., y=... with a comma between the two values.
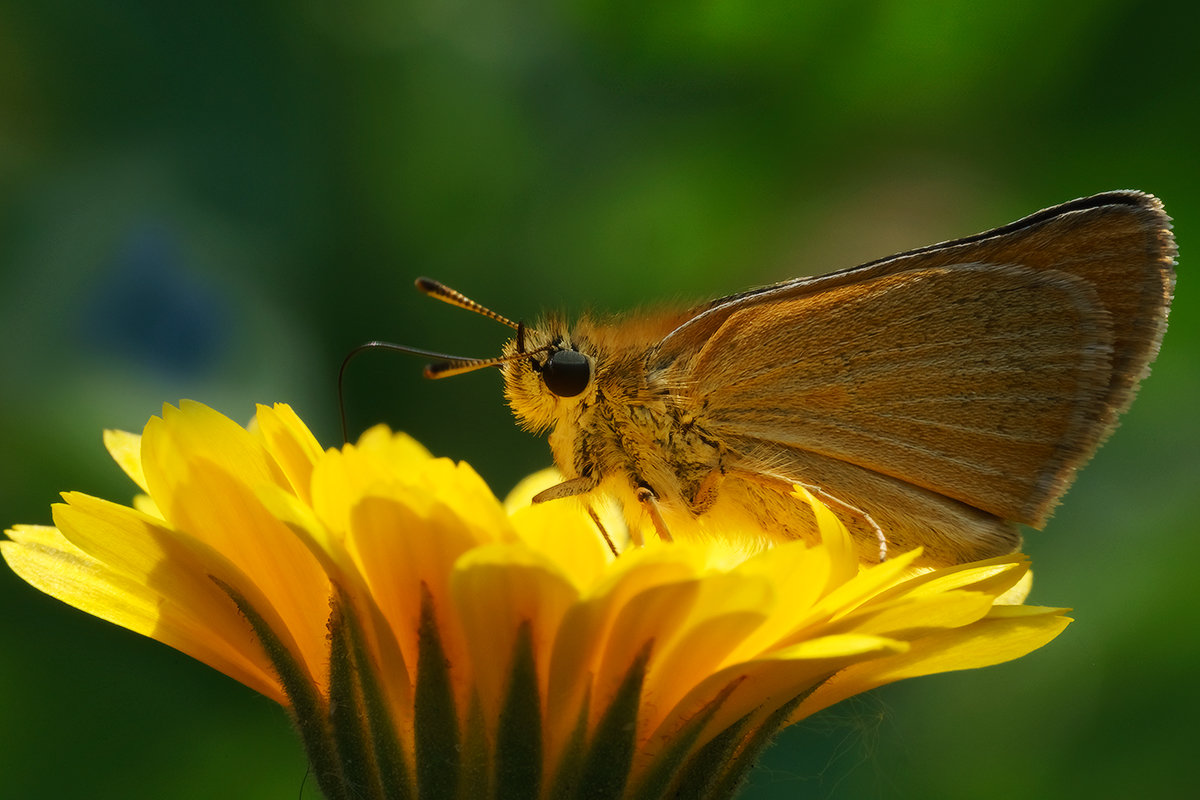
x=1003, y=635
x=801, y=575
x=291, y=445
x=398, y=450
x=145, y=504
x=993, y=576
x=763, y=685
x=565, y=536
x=396, y=466
x=702, y=650
x=495, y=588
x=126, y=450
x=871, y=583
x=580, y=648
x=1019, y=592
x=149, y=586
x=402, y=545
x=522, y=494
x=908, y=618
x=194, y=433
x=835, y=540
x=226, y=515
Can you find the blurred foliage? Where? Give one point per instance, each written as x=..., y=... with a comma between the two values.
x=219, y=200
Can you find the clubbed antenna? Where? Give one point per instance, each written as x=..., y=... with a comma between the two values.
x=444, y=365
x=456, y=298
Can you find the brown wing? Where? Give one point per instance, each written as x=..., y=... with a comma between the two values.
x=986, y=369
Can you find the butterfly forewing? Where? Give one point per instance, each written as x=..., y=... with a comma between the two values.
x=922, y=376
x=987, y=369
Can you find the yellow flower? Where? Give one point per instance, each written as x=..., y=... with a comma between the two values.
x=428, y=641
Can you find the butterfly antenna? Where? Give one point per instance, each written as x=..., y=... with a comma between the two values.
x=457, y=366
x=444, y=365
x=456, y=298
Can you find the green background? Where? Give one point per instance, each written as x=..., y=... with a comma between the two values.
x=218, y=200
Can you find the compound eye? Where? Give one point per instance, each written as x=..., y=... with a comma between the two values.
x=567, y=373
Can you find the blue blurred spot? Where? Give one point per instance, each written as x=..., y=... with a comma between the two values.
x=147, y=307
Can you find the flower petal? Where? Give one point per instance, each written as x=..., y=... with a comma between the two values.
x=1008, y=632
x=497, y=590
x=291, y=445
x=216, y=502
x=192, y=433
x=140, y=579
x=126, y=449
x=762, y=685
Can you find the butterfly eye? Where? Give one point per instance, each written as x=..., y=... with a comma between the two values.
x=567, y=373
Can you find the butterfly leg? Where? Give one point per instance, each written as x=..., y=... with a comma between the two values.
x=604, y=531
x=782, y=487
x=568, y=488
x=649, y=501
x=706, y=492
x=573, y=488
x=829, y=499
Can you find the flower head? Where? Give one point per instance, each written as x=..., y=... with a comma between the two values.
x=429, y=640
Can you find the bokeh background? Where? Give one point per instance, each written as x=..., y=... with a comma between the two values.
x=218, y=200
